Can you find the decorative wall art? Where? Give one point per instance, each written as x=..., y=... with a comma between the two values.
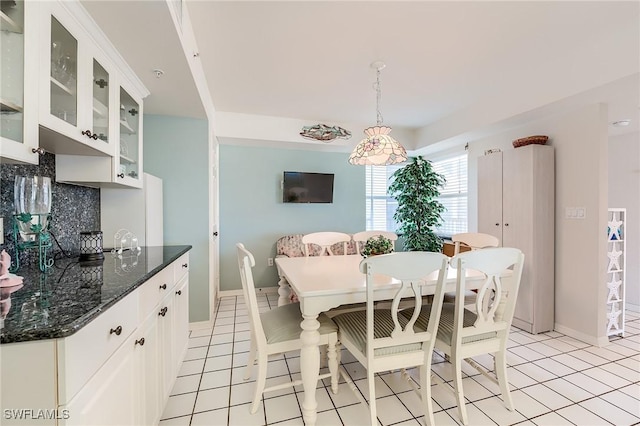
x=324, y=133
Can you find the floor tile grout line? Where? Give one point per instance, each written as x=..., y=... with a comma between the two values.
x=525, y=361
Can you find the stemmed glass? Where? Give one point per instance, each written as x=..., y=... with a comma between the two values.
x=32, y=200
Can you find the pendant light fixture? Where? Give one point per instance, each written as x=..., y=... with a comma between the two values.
x=378, y=148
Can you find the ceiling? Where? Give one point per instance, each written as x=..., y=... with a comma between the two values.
x=445, y=61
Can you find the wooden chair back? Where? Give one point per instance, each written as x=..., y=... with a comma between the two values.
x=325, y=240
x=496, y=298
x=474, y=240
x=246, y=262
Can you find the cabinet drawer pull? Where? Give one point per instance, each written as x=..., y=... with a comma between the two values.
x=163, y=311
x=120, y=175
x=116, y=330
x=185, y=265
x=163, y=287
x=140, y=342
x=179, y=292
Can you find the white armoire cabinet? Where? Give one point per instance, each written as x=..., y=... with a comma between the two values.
x=516, y=191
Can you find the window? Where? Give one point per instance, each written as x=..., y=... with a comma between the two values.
x=454, y=194
x=381, y=207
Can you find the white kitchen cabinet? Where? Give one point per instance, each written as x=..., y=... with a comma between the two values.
x=181, y=320
x=18, y=97
x=77, y=94
x=111, y=397
x=90, y=102
x=124, y=168
x=165, y=313
x=516, y=192
x=117, y=370
x=147, y=353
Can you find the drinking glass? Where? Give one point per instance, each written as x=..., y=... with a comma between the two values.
x=32, y=195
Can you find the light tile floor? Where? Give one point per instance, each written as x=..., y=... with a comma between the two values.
x=555, y=380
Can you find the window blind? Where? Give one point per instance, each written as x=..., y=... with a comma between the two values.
x=453, y=195
x=381, y=207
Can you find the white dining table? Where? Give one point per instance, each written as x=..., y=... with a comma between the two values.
x=325, y=282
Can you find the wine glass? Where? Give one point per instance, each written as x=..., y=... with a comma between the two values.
x=32, y=195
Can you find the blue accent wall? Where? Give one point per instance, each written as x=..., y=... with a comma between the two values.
x=176, y=150
x=252, y=211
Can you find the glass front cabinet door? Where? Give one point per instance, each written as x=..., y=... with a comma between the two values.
x=18, y=101
x=129, y=165
x=76, y=97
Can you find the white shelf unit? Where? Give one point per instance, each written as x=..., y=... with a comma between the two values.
x=616, y=253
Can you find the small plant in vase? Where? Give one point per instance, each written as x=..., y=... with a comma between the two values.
x=377, y=245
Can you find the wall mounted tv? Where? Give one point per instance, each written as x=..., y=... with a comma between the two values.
x=301, y=187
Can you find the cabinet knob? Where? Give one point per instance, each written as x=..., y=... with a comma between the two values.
x=87, y=133
x=120, y=175
x=116, y=330
x=94, y=136
x=497, y=224
x=140, y=342
x=185, y=265
x=506, y=224
x=39, y=151
x=163, y=287
x=163, y=311
x=179, y=292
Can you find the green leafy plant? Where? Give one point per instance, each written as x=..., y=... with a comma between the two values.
x=377, y=245
x=416, y=187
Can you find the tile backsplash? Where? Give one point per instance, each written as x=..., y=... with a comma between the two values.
x=73, y=208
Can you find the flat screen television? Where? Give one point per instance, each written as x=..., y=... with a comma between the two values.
x=301, y=187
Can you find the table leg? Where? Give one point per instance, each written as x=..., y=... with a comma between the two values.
x=310, y=366
x=284, y=290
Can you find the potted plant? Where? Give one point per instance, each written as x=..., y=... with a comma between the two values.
x=377, y=245
x=416, y=187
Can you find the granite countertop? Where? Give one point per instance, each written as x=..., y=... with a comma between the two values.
x=72, y=293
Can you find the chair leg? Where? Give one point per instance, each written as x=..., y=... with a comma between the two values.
x=323, y=357
x=332, y=354
x=457, y=381
x=251, y=360
x=425, y=392
x=260, y=382
x=501, y=374
x=371, y=378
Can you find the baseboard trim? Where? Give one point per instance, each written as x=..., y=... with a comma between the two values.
x=200, y=325
x=602, y=341
x=259, y=290
x=631, y=307
x=229, y=293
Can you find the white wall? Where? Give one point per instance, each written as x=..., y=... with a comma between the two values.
x=580, y=142
x=624, y=191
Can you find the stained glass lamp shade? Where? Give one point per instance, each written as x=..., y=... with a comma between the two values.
x=378, y=149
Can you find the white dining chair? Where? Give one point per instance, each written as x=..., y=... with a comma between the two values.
x=361, y=238
x=383, y=339
x=475, y=241
x=277, y=331
x=463, y=334
x=325, y=240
